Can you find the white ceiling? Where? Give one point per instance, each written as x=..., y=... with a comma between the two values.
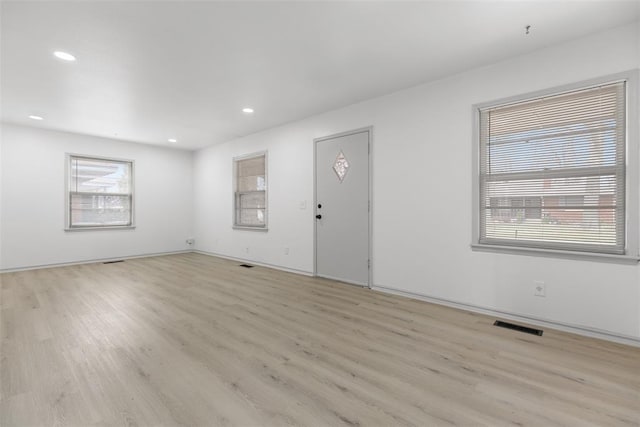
x=149, y=71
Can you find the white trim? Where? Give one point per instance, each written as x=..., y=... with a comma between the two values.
x=555, y=253
x=632, y=208
x=555, y=91
x=252, y=262
x=92, y=157
x=533, y=320
x=558, y=90
x=91, y=261
x=247, y=227
x=369, y=130
x=102, y=227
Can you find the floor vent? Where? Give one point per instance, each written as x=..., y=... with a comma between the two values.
x=113, y=262
x=246, y=265
x=520, y=328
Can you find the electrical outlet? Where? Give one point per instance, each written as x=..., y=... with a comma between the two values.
x=286, y=251
x=540, y=288
x=246, y=249
x=191, y=241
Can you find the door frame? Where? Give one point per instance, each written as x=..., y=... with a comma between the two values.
x=369, y=130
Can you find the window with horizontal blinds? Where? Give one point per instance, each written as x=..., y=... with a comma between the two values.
x=100, y=192
x=552, y=171
x=251, y=191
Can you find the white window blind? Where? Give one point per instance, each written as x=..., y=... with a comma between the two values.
x=100, y=192
x=552, y=172
x=251, y=192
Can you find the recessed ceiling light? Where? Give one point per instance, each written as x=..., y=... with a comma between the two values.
x=247, y=110
x=34, y=117
x=65, y=56
x=172, y=140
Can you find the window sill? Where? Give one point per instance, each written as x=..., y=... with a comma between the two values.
x=240, y=227
x=554, y=253
x=114, y=227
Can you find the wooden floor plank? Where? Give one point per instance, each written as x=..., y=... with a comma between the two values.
x=195, y=340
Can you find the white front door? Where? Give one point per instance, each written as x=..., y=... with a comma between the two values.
x=342, y=207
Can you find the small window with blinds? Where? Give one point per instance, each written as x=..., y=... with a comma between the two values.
x=552, y=171
x=100, y=193
x=250, y=192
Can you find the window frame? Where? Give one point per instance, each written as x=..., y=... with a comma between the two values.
x=631, y=250
x=234, y=192
x=67, y=217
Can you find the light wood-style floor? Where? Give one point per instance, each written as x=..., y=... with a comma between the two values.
x=196, y=340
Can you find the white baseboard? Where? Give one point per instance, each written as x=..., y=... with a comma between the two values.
x=91, y=261
x=575, y=329
x=349, y=282
x=252, y=262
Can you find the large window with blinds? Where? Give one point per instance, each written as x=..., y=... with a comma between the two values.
x=99, y=193
x=250, y=191
x=552, y=171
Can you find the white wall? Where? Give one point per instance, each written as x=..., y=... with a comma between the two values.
x=290, y=179
x=421, y=136
x=33, y=204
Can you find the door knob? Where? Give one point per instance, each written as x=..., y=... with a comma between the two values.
x=318, y=216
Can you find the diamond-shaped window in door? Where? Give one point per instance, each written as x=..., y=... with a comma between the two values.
x=341, y=166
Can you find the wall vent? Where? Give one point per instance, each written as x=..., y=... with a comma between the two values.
x=520, y=328
x=246, y=265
